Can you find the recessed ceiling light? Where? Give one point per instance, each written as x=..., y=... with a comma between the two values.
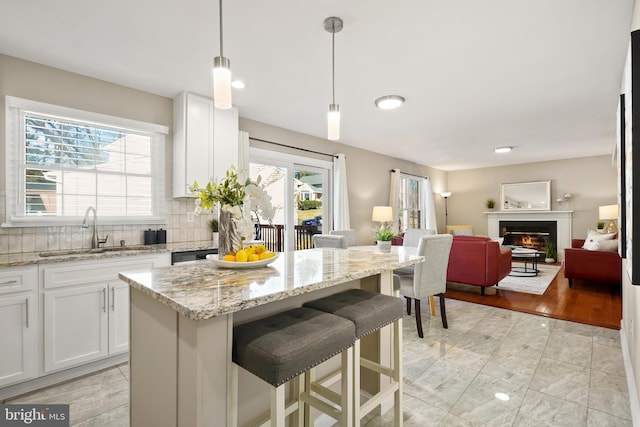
x=502, y=396
x=389, y=102
x=238, y=84
x=502, y=149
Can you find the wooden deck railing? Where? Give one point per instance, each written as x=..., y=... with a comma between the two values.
x=273, y=236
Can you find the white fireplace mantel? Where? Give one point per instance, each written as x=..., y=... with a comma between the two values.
x=562, y=219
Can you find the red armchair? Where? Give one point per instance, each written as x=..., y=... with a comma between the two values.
x=598, y=266
x=477, y=260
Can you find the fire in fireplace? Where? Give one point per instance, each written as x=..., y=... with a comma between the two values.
x=528, y=234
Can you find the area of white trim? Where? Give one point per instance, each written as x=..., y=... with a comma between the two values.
x=631, y=382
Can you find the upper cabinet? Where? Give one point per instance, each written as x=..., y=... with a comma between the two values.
x=205, y=141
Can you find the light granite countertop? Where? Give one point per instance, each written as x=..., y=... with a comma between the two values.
x=200, y=290
x=28, y=258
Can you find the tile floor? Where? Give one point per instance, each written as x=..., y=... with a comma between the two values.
x=553, y=372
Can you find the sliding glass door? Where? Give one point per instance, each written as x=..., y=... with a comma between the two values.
x=300, y=191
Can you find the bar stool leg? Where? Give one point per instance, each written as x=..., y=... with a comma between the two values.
x=277, y=406
x=347, y=389
x=356, y=383
x=397, y=372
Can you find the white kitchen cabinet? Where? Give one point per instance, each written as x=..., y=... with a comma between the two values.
x=75, y=326
x=118, y=317
x=205, y=141
x=86, y=309
x=18, y=326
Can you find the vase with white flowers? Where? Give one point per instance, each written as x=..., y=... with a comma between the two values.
x=234, y=201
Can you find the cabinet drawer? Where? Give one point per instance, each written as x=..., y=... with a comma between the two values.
x=83, y=273
x=18, y=279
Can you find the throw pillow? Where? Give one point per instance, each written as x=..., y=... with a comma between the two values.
x=593, y=237
x=608, y=245
x=462, y=232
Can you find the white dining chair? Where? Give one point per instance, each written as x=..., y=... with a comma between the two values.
x=412, y=236
x=349, y=234
x=329, y=241
x=429, y=277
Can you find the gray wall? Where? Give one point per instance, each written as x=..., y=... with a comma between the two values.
x=368, y=173
x=591, y=180
x=38, y=82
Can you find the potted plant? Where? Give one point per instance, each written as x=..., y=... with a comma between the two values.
x=600, y=225
x=549, y=251
x=213, y=225
x=490, y=203
x=384, y=236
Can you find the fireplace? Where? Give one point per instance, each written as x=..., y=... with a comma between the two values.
x=563, y=220
x=528, y=234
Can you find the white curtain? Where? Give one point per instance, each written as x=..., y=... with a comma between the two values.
x=243, y=155
x=429, y=208
x=340, y=194
x=394, y=187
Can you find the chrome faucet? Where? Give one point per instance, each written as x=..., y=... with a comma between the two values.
x=95, y=240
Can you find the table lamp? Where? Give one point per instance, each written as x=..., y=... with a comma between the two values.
x=609, y=212
x=382, y=214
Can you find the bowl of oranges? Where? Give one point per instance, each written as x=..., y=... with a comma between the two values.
x=251, y=256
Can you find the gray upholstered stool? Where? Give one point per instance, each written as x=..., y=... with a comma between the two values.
x=279, y=348
x=369, y=312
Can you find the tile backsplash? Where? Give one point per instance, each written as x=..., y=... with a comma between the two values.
x=181, y=226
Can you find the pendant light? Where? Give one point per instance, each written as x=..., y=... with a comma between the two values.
x=333, y=25
x=221, y=75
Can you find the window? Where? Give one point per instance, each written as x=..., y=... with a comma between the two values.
x=60, y=161
x=409, y=211
x=300, y=190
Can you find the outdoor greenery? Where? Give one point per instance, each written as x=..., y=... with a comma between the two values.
x=304, y=205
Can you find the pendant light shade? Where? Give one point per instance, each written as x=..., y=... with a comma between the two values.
x=333, y=122
x=333, y=25
x=222, y=82
x=221, y=75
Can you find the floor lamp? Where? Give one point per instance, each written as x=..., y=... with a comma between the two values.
x=446, y=195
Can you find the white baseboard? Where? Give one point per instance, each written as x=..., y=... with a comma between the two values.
x=631, y=383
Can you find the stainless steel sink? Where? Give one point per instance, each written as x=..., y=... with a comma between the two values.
x=95, y=251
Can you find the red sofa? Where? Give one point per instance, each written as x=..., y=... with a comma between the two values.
x=478, y=260
x=598, y=266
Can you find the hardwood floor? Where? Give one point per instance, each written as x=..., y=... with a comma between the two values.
x=592, y=303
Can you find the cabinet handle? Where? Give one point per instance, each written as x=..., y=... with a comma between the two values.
x=9, y=282
x=104, y=300
x=113, y=299
x=27, y=305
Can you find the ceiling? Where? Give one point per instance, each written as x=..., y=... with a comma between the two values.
x=542, y=76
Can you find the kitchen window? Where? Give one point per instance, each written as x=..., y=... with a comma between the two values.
x=60, y=161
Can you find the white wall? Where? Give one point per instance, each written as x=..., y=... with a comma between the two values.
x=631, y=293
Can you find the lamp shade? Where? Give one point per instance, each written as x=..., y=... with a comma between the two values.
x=382, y=214
x=608, y=212
x=222, y=83
x=445, y=194
x=333, y=122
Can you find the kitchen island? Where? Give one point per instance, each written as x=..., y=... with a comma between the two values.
x=182, y=317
